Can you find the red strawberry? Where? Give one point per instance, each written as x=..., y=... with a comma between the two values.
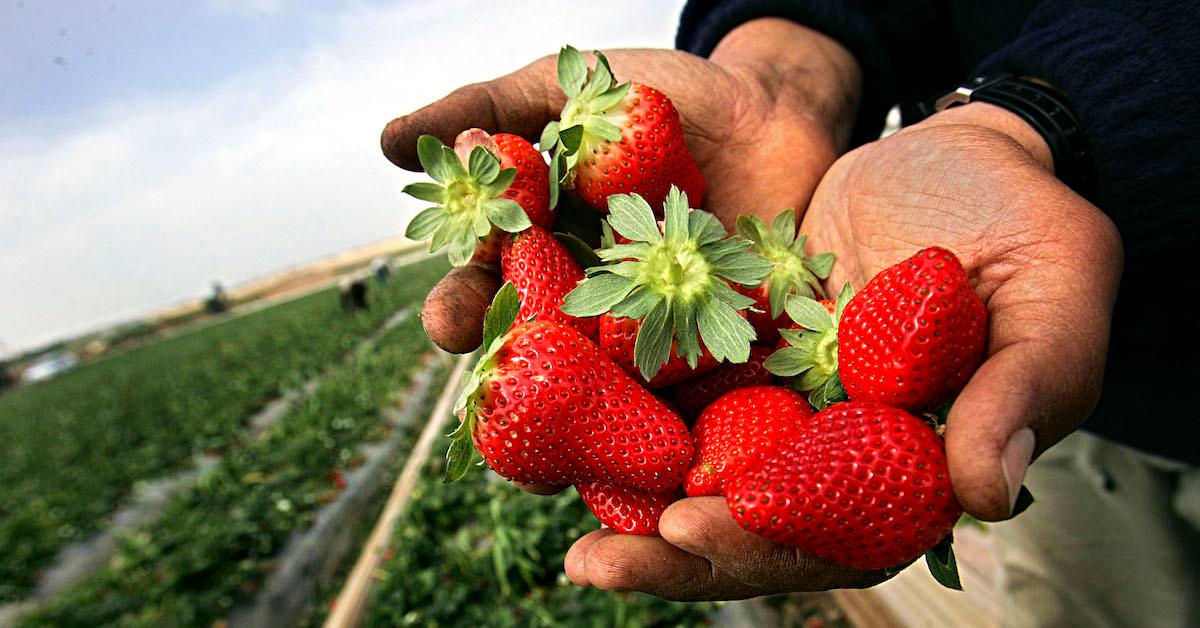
x=545, y=406
x=914, y=334
x=543, y=272
x=618, y=337
x=486, y=185
x=738, y=430
x=868, y=487
x=793, y=271
x=675, y=278
x=618, y=139
x=695, y=394
x=626, y=510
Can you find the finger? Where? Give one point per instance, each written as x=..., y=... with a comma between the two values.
x=1049, y=328
x=453, y=311
x=521, y=103
x=575, y=563
x=704, y=526
x=626, y=562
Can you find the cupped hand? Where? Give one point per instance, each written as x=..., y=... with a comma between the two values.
x=978, y=181
x=1046, y=263
x=764, y=117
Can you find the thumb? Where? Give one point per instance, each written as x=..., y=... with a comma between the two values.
x=522, y=103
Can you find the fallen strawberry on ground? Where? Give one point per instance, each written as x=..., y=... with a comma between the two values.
x=545, y=406
x=615, y=138
x=484, y=186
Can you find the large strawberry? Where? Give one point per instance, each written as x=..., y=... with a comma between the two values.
x=543, y=272
x=485, y=185
x=867, y=486
x=617, y=138
x=545, y=406
x=911, y=337
x=793, y=271
x=738, y=430
x=675, y=279
x=694, y=395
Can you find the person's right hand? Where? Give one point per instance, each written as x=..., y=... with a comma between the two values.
x=765, y=116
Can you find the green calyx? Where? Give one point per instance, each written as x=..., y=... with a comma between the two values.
x=593, y=101
x=812, y=353
x=793, y=272
x=466, y=199
x=675, y=279
x=498, y=319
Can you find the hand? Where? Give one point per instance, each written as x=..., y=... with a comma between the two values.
x=768, y=112
x=978, y=180
x=1044, y=260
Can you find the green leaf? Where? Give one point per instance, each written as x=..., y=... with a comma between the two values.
x=743, y=267
x=500, y=184
x=687, y=334
x=843, y=298
x=482, y=165
x=501, y=314
x=638, y=304
x=827, y=393
x=596, y=296
x=784, y=227
x=507, y=215
x=462, y=247
x=556, y=163
x=583, y=254
x=792, y=336
x=571, y=138
x=777, y=294
x=942, y=565
x=809, y=314
x=601, y=128
x=1024, y=501
x=616, y=252
x=820, y=265
x=431, y=153
x=705, y=228
x=788, y=362
x=426, y=191
x=453, y=164
x=425, y=223
x=462, y=450
x=600, y=81
x=675, y=215
x=630, y=216
x=751, y=228
x=653, y=345
x=549, y=137
x=610, y=99
x=726, y=334
x=572, y=70
x=481, y=226
x=443, y=235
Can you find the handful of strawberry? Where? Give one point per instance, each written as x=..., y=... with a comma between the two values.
x=587, y=355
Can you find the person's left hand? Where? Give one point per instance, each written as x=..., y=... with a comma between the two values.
x=1046, y=262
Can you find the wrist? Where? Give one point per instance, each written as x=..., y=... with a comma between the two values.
x=803, y=71
x=998, y=119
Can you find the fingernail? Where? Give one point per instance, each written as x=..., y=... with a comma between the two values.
x=1015, y=461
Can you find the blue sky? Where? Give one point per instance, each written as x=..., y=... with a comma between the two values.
x=149, y=148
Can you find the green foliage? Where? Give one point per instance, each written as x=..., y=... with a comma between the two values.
x=71, y=448
x=215, y=544
x=479, y=552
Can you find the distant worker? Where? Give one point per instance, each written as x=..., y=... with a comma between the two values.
x=352, y=293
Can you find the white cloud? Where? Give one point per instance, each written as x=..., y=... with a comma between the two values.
x=153, y=199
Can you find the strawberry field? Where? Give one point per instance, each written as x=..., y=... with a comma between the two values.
x=72, y=448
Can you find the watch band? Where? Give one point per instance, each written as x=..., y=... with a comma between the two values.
x=1046, y=110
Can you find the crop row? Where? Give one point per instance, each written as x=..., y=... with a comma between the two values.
x=479, y=552
x=215, y=544
x=71, y=448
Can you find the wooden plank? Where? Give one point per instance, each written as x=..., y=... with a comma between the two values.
x=352, y=600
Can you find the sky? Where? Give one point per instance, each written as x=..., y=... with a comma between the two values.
x=150, y=148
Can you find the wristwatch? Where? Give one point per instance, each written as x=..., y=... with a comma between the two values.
x=1045, y=109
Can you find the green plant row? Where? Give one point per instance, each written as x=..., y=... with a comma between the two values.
x=482, y=553
x=214, y=545
x=71, y=448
